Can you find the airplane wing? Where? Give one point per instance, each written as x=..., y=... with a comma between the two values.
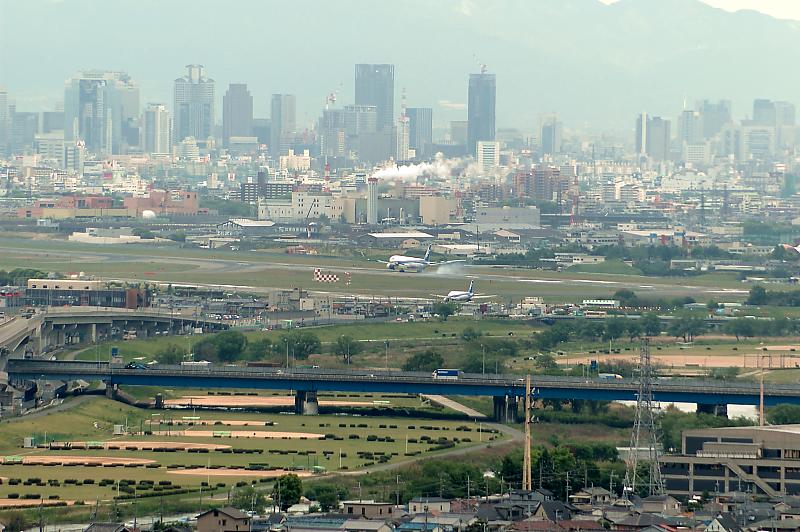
x=440, y=296
x=483, y=297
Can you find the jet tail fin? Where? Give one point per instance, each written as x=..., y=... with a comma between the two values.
x=428, y=252
x=471, y=285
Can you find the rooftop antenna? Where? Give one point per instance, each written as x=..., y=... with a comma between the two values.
x=482, y=66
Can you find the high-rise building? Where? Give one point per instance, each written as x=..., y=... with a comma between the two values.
x=101, y=108
x=157, y=125
x=551, y=134
x=420, y=130
x=657, y=142
x=194, y=105
x=488, y=153
x=52, y=121
x=715, y=116
x=261, y=129
x=480, y=109
x=237, y=113
x=283, y=127
x=458, y=131
x=641, y=134
x=24, y=127
x=331, y=129
x=372, y=200
x=402, y=136
x=375, y=86
x=652, y=137
x=690, y=127
x=4, y=121
x=763, y=112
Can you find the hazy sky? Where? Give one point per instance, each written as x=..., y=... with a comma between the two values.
x=786, y=9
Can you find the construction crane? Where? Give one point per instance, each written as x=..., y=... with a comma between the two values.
x=482, y=66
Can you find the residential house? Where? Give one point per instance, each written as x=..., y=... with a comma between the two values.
x=225, y=519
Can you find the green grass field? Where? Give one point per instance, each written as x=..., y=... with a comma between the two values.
x=262, y=270
x=94, y=419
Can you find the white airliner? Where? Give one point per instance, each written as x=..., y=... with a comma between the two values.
x=402, y=263
x=463, y=297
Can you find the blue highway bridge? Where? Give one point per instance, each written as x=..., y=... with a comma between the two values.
x=710, y=395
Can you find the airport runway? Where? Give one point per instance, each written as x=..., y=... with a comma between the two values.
x=266, y=273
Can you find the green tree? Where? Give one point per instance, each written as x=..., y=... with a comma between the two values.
x=247, y=498
x=545, y=361
x=626, y=297
x=327, y=495
x=741, y=327
x=784, y=414
x=615, y=328
x=634, y=329
x=651, y=324
x=171, y=354
x=444, y=310
x=758, y=296
x=346, y=347
x=260, y=349
x=16, y=522
x=428, y=360
x=287, y=490
x=470, y=333
x=230, y=345
x=301, y=343
x=205, y=349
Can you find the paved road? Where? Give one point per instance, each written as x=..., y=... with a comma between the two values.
x=453, y=405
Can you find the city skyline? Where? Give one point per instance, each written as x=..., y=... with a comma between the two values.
x=520, y=100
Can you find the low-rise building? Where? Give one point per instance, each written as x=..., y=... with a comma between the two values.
x=225, y=519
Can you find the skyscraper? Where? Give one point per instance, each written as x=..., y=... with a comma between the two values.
x=641, y=134
x=420, y=130
x=715, y=116
x=237, y=113
x=658, y=138
x=480, y=109
x=691, y=127
x=401, y=153
x=551, y=134
x=4, y=121
x=194, y=105
x=101, y=108
x=283, y=126
x=375, y=86
x=157, y=129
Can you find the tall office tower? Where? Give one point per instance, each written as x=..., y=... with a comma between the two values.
x=157, y=129
x=715, y=116
x=24, y=127
x=403, y=124
x=331, y=129
x=458, y=131
x=101, y=108
x=641, y=134
x=764, y=112
x=488, y=153
x=52, y=121
x=372, y=200
x=690, y=127
x=480, y=109
x=420, y=130
x=283, y=127
x=375, y=86
x=657, y=142
x=551, y=134
x=261, y=128
x=4, y=121
x=237, y=113
x=194, y=105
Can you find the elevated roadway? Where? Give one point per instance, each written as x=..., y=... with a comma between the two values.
x=506, y=389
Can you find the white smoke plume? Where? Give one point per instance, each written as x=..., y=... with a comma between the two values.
x=440, y=168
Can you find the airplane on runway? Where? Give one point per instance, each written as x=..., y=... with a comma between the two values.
x=464, y=297
x=402, y=263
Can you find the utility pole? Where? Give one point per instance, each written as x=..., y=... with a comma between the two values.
x=611, y=482
x=527, y=483
x=398, y=491
x=567, y=487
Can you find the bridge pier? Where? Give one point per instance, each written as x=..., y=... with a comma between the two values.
x=504, y=408
x=306, y=403
x=720, y=410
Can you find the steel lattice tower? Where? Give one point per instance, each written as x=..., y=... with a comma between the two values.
x=645, y=431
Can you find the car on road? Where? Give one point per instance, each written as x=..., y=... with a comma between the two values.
x=136, y=365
